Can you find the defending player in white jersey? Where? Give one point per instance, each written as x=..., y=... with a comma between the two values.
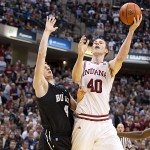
x=93, y=130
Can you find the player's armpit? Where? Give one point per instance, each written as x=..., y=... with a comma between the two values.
x=38, y=78
x=80, y=94
x=41, y=87
x=115, y=65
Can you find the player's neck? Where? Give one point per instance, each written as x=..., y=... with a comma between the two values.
x=97, y=59
x=51, y=81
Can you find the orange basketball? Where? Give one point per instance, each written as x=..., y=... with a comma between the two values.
x=128, y=11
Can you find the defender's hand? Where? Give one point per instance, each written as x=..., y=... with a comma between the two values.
x=83, y=45
x=137, y=22
x=50, y=22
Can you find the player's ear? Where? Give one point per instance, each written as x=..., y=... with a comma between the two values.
x=106, y=50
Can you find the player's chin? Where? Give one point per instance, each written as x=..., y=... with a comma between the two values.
x=96, y=53
x=49, y=77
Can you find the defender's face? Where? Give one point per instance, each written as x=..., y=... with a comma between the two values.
x=120, y=128
x=48, y=72
x=99, y=47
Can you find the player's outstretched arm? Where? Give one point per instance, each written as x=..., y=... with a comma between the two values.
x=39, y=79
x=135, y=134
x=116, y=63
x=78, y=67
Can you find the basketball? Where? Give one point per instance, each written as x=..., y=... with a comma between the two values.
x=128, y=11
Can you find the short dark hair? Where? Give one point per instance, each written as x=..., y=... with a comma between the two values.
x=13, y=141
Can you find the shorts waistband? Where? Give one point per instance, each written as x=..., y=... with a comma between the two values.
x=93, y=117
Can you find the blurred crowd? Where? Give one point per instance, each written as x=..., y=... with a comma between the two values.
x=97, y=19
x=19, y=117
x=130, y=96
x=130, y=104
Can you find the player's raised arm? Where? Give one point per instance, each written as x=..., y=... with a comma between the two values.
x=78, y=67
x=39, y=82
x=136, y=134
x=116, y=63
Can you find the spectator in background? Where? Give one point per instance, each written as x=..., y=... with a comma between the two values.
x=25, y=133
x=11, y=141
x=1, y=143
x=68, y=37
x=37, y=132
x=111, y=44
x=24, y=146
x=8, y=55
x=30, y=139
x=7, y=88
x=115, y=16
x=18, y=137
x=127, y=145
x=2, y=65
x=12, y=145
x=8, y=71
x=2, y=50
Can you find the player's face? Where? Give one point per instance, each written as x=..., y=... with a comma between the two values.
x=120, y=128
x=99, y=47
x=48, y=72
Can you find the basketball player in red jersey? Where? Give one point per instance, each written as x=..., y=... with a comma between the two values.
x=93, y=130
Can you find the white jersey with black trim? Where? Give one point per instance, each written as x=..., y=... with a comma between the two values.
x=97, y=81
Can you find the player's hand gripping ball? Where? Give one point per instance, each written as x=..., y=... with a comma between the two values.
x=128, y=11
